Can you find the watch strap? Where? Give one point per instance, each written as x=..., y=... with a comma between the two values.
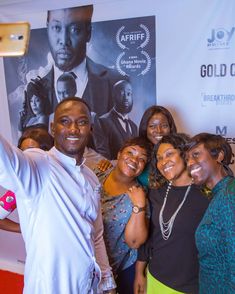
x=137, y=209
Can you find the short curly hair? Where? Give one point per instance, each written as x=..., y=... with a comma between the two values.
x=214, y=145
x=138, y=141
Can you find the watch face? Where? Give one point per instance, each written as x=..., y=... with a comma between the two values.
x=135, y=209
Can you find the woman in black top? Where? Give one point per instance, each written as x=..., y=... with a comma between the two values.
x=176, y=210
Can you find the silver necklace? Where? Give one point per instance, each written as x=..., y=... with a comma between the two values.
x=166, y=227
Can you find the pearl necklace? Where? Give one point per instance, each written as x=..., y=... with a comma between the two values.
x=166, y=227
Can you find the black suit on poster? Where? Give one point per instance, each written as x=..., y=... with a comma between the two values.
x=114, y=134
x=98, y=92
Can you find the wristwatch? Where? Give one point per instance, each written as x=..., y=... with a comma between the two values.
x=137, y=209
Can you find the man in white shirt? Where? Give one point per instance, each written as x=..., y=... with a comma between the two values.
x=59, y=208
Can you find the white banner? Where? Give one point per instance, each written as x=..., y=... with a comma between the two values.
x=195, y=68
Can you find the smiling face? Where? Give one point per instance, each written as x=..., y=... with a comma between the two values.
x=203, y=168
x=171, y=165
x=157, y=127
x=132, y=160
x=68, y=32
x=71, y=128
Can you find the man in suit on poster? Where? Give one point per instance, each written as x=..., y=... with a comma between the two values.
x=66, y=86
x=116, y=125
x=69, y=31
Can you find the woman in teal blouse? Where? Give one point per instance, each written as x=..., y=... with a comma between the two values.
x=207, y=158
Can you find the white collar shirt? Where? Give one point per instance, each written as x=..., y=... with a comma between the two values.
x=121, y=119
x=59, y=211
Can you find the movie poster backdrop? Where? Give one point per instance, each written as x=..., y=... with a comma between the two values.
x=126, y=46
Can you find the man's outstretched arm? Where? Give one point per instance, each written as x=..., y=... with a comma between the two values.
x=21, y=170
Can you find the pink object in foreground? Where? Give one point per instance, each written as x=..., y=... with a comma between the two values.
x=7, y=204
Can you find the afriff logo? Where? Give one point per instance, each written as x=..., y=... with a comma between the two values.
x=222, y=130
x=220, y=38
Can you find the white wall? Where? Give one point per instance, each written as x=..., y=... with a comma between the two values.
x=182, y=30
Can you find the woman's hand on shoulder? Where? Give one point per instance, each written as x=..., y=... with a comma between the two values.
x=104, y=164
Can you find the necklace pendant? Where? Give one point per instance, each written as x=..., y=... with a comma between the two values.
x=166, y=227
